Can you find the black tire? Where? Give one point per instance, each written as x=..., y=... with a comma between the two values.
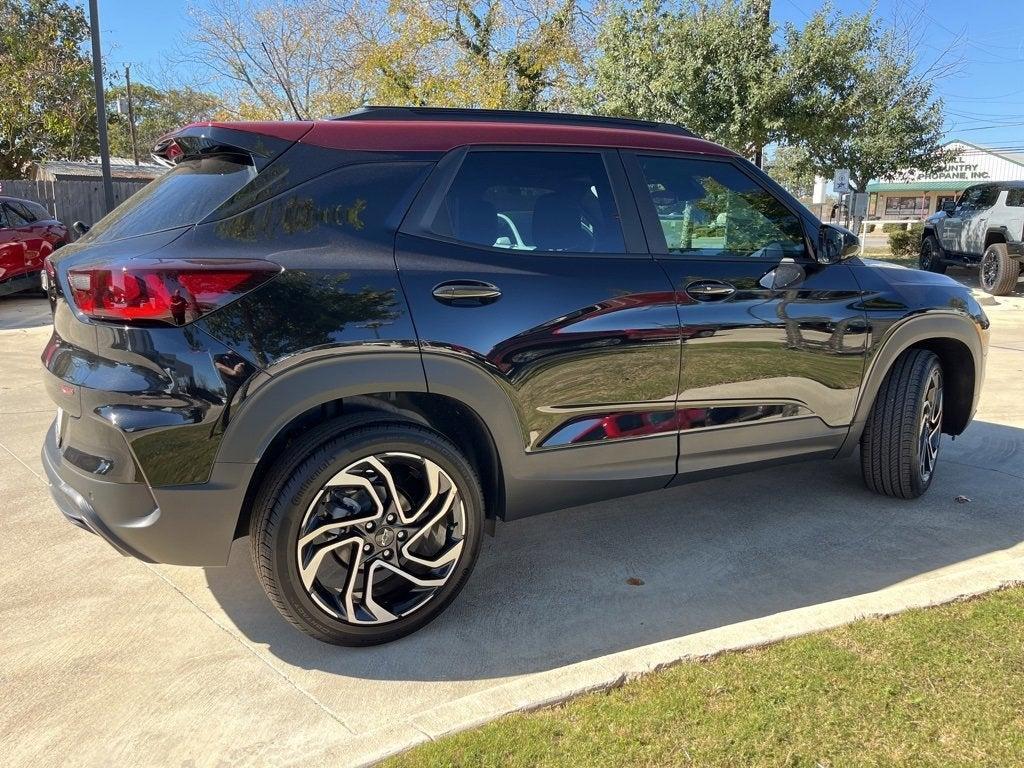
x=998, y=272
x=930, y=259
x=298, y=483
x=892, y=453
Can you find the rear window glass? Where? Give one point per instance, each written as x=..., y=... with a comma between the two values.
x=182, y=196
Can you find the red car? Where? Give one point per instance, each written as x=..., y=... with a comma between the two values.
x=28, y=234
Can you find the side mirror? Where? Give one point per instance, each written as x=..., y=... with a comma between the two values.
x=948, y=206
x=80, y=228
x=836, y=243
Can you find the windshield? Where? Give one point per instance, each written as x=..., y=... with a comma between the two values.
x=182, y=196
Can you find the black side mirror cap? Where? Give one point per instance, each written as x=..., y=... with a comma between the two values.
x=836, y=243
x=80, y=228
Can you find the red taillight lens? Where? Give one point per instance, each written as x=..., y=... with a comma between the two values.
x=160, y=290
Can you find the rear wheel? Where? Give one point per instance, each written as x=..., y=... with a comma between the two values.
x=931, y=258
x=998, y=273
x=370, y=535
x=900, y=444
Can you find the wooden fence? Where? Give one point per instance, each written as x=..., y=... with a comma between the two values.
x=71, y=200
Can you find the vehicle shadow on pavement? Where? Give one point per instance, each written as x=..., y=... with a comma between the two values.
x=556, y=589
x=19, y=312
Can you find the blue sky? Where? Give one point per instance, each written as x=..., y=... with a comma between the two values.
x=984, y=99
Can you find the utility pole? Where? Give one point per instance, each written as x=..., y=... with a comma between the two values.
x=101, y=107
x=131, y=110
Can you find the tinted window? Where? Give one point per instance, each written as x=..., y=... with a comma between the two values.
x=532, y=201
x=711, y=209
x=21, y=208
x=40, y=213
x=988, y=197
x=4, y=224
x=14, y=217
x=182, y=196
x=1015, y=198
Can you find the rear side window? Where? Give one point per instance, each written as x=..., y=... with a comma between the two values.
x=532, y=201
x=1015, y=198
x=182, y=196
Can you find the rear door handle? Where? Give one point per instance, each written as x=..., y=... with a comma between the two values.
x=709, y=290
x=467, y=293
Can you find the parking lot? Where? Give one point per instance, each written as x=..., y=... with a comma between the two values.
x=109, y=660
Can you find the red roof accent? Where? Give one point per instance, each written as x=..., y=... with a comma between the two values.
x=441, y=135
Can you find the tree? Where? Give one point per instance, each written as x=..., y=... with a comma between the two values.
x=841, y=88
x=859, y=101
x=156, y=113
x=309, y=58
x=792, y=168
x=46, y=99
x=712, y=66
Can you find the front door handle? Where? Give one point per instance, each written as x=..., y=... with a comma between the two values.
x=466, y=293
x=709, y=290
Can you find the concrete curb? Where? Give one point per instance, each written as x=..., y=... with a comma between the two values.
x=557, y=686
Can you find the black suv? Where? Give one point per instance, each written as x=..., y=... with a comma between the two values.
x=362, y=341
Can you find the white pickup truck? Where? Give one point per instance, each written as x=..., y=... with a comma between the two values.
x=984, y=228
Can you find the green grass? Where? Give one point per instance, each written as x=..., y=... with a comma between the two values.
x=884, y=254
x=936, y=687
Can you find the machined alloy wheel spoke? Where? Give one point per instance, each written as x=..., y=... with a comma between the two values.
x=931, y=425
x=380, y=538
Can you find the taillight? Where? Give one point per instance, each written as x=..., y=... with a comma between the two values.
x=162, y=290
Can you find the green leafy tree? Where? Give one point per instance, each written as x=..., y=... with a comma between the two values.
x=156, y=113
x=47, y=108
x=845, y=91
x=712, y=66
x=791, y=166
x=859, y=102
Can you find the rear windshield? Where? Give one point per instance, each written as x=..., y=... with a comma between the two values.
x=182, y=196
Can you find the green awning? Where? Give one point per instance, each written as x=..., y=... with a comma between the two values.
x=920, y=186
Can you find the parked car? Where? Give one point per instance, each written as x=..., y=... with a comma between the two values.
x=326, y=336
x=984, y=228
x=28, y=234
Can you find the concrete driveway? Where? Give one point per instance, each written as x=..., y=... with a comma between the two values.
x=107, y=660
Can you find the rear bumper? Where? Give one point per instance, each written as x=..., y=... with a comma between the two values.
x=189, y=525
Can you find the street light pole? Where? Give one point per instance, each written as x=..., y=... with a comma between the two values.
x=101, y=107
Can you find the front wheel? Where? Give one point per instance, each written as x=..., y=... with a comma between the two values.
x=998, y=272
x=931, y=258
x=370, y=535
x=900, y=443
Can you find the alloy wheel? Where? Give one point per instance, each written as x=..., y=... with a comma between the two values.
x=989, y=269
x=381, y=538
x=927, y=255
x=931, y=425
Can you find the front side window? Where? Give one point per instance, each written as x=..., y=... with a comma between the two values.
x=711, y=209
x=970, y=198
x=988, y=196
x=532, y=201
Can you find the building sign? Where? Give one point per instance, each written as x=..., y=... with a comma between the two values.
x=971, y=165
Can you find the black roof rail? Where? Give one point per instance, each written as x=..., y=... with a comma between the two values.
x=510, y=116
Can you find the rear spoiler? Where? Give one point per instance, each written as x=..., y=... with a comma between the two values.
x=261, y=141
